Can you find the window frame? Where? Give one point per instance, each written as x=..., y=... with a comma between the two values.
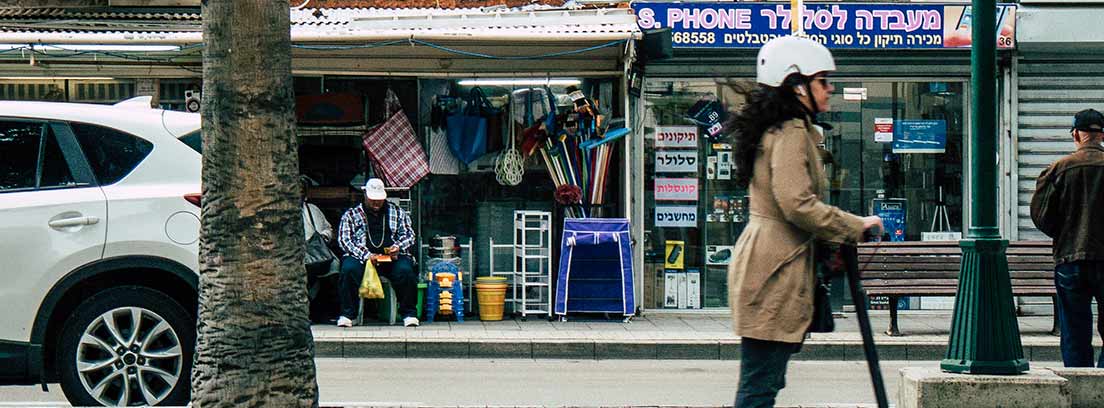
x=83, y=156
x=78, y=165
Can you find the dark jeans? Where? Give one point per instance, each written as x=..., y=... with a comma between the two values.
x=400, y=271
x=1078, y=283
x=762, y=371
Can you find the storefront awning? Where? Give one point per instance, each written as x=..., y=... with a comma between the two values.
x=441, y=42
x=345, y=25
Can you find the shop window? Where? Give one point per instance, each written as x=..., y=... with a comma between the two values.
x=895, y=150
x=694, y=211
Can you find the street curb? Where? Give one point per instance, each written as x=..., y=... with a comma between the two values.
x=574, y=349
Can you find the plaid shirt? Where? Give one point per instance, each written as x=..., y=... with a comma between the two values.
x=351, y=235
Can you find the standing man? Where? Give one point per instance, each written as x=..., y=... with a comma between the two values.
x=377, y=227
x=1066, y=206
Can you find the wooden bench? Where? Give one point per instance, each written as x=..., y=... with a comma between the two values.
x=896, y=269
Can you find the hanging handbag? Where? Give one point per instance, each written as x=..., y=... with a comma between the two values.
x=318, y=253
x=467, y=130
x=441, y=160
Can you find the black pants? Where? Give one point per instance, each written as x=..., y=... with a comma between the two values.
x=1078, y=283
x=762, y=371
x=400, y=271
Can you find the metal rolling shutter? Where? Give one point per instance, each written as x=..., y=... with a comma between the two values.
x=1048, y=94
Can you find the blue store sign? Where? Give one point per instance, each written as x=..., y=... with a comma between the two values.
x=750, y=25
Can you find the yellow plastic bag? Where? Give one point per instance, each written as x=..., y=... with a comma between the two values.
x=370, y=286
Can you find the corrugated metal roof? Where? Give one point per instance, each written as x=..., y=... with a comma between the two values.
x=331, y=16
x=337, y=25
x=100, y=14
x=462, y=22
x=436, y=4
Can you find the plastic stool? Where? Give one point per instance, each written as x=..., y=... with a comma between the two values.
x=433, y=293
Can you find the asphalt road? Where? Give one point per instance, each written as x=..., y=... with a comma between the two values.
x=439, y=382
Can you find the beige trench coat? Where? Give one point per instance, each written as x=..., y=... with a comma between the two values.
x=771, y=275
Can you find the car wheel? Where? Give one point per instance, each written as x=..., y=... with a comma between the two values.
x=127, y=346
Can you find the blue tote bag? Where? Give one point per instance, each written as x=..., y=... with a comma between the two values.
x=467, y=130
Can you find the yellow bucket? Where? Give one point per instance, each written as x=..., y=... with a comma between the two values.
x=491, y=297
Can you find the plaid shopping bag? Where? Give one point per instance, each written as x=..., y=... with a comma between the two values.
x=393, y=148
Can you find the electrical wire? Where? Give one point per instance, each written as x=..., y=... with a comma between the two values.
x=518, y=57
x=173, y=59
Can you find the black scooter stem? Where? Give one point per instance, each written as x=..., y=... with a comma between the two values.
x=851, y=258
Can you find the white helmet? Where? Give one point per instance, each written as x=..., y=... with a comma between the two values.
x=783, y=56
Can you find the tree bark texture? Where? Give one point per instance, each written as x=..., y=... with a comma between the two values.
x=254, y=346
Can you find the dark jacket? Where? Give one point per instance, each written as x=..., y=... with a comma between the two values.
x=1068, y=205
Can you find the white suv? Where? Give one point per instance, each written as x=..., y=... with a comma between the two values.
x=99, y=223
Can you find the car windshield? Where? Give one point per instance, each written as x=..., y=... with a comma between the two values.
x=194, y=140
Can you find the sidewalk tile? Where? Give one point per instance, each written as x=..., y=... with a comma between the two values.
x=508, y=324
x=617, y=327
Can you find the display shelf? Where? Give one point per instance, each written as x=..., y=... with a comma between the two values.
x=530, y=279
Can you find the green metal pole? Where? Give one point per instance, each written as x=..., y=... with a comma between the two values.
x=985, y=336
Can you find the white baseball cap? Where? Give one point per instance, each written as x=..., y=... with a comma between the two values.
x=374, y=189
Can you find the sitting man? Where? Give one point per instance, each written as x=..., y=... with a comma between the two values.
x=374, y=228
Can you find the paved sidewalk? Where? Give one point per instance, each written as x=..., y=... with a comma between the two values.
x=656, y=336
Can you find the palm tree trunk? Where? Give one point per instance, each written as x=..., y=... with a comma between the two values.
x=254, y=346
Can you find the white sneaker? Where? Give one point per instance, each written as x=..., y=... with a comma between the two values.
x=344, y=322
x=411, y=321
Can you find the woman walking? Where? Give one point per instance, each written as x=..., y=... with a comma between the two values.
x=771, y=277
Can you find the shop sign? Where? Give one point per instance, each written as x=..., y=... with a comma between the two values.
x=676, y=161
x=920, y=136
x=676, y=189
x=676, y=136
x=864, y=25
x=883, y=130
x=854, y=94
x=676, y=216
